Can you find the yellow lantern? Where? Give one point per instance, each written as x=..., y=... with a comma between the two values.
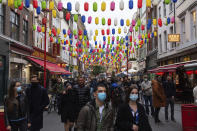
x=94, y=38
x=142, y=36
x=123, y=46
x=80, y=37
x=43, y=29
x=49, y=31
x=62, y=41
x=58, y=31
x=65, y=36
x=51, y=5
x=128, y=22
x=103, y=6
x=83, y=50
x=95, y=46
x=54, y=13
x=83, y=42
x=119, y=30
x=69, y=43
x=96, y=20
x=108, y=38
x=148, y=3
x=74, y=49
x=154, y=22
x=155, y=33
x=96, y=32
x=10, y=2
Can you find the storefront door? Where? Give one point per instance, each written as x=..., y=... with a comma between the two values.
x=2, y=78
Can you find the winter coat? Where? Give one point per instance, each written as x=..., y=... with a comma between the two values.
x=18, y=112
x=169, y=88
x=69, y=106
x=125, y=118
x=87, y=120
x=159, y=98
x=38, y=100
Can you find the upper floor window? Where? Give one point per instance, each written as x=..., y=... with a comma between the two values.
x=25, y=31
x=164, y=9
x=1, y=19
x=171, y=6
x=165, y=41
x=14, y=25
x=160, y=44
x=183, y=29
x=193, y=24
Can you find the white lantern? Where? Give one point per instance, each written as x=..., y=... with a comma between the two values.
x=115, y=22
x=125, y=29
x=4, y=2
x=155, y=2
x=121, y=5
x=61, y=15
x=31, y=8
x=77, y=6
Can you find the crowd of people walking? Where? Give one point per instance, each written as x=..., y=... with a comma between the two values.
x=116, y=104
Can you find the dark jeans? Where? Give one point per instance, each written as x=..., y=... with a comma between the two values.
x=157, y=113
x=34, y=129
x=148, y=102
x=19, y=125
x=169, y=101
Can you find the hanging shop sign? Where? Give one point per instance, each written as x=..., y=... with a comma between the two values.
x=56, y=49
x=39, y=54
x=173, y=37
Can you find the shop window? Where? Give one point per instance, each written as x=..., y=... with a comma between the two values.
x=14, y=25
x=25, y=31
x=1, y=19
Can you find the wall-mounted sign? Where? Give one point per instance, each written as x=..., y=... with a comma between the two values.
x=173, y=37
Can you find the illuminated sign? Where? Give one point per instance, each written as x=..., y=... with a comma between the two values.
x=173, y=37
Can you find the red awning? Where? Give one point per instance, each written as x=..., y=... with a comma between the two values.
x=167, y=68
x=53, y=68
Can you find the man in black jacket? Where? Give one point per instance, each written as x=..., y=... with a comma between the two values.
x=170, y=91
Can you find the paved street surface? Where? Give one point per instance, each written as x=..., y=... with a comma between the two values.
x=52, y=122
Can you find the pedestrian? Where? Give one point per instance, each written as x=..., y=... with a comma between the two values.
x=195, y=92
x=97, y=115
x=170, y=91
x=147, y=95
x=16, y=109
x=83, y=92
x=131, y=115
x=69, y=107
x=159, y=99
x=38, y=100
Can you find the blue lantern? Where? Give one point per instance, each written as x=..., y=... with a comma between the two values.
x=168, y=20
x=127, y=44
x=113, y=31
x=70, y=36
x=130, y=4
x=174, y=1
x=71, y=42
x=112, y=42
x=83, y=19
x=64, y=42
x=27, y=3
x=149, y=22
x=127, y=38
x=104, y=38
x=103, y=46
x=145, y=41
x=38, y=10
x=85, y=32
x=95, y=42
x=64, y=31
x=69, y=6
x=122, y=22
x=152, y=35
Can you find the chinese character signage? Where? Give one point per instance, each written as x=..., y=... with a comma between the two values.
x=173, y=37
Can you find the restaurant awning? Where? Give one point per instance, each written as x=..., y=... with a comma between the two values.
x=167, y=68
x=51, y=67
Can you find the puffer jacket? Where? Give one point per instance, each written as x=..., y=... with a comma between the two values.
x=13, y=114
x=87, y=120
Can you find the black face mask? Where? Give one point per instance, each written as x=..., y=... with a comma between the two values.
x=34, y=84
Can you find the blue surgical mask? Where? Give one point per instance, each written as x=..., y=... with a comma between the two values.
x=102, y=96
x=19, y=89
x=133, y=97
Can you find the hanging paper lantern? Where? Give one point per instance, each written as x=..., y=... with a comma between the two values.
x=38, y=28
x=131, y=29
x=155, y=34
x=155, y=2
x=152, y=35
x=94, y=6
x=174, y=1
x=54, y=13
x=35, y=3
x=43, y=29
x=58, y=31
x=154, y=22
x=130, y=38
x=104, y=39
x=122, y=22
x=69, y=6
x=168, y=20
x=125, y=29
x=108, y=38
x=139, y=4
x=21, y=7
x=113, y=38
x=136, y=28
x=86, y=6
x=15, y=4
x=167, y=2
x=103, y=32
x=149, y=35
x=148, y=3
x=64, y=31
x=121, y=5
x=108, y=31
x=128, y=22
x=115, y=22
x=96, y=20
x=31, y=8
x=44, y=5
x=19, y=2
x=94, y=38
x=89, y=19
x=172, y=19
x=27, y=3
x=96, y=32
x=34, y=27
x=74, y=32
x=79, y=32
x=103, y=6
x=119, y=30
x=75, y=17
x=133, y=22
x=113, y=31
x=67, y=16
x=51, y=39
x=80, y=37
x=44, y=20
x=68, y=32
x=160, y=22
x=109, y=22
x=112, y=6
x=130, y=4
x=38, y=10
x=103, y=21
x=10, y=3
x=83, y=19
x=138, y=22
x=51, y=5
x=77, y=6
x=142, y=27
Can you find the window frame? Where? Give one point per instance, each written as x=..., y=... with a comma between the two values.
x=2, y=16
x=14, y=23
x=193, y=24
x=25, y=31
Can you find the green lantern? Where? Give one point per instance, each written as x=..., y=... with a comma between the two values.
x=59, y=40
x=110, y=46
x=146, y=36
x=117, y=38
x=138, y=22
x=85, y=37
x=94, y=6
x=121, y=41
x=74, y=32
x=0, y=1
x=19, y=2
x=103, y=21
x=15, y=4
x=34, y=27
x=167, y=2
x=75, y=17
x=44, y=5
x=136, y=28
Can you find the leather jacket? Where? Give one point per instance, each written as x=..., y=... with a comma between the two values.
x=19, y=111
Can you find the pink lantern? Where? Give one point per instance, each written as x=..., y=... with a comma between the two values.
x=117, y=42
x=38, y=28
x=139, y=37
x=112, y=7
x=113, y=38
x=68, y=32
x=133, y=22
x=172, y=19
x=131, y=29
x=75, y=36
x=104, y=42
x=135, y=43
x=89, y=19
x=60, y=5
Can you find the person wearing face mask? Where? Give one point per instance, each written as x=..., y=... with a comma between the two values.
x=147, y=95
x=38, y=100
x=131, y=115
x=16, y=109
x=96, y=115
x=69, y=107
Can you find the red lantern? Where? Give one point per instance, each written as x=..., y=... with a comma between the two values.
x=66, y=41
x=99, y=46
x=35, y=3
x=130, y=38
x=142, y=27
x=21, y=7
x=139, y=4
x=86, y=6
x=160, y=22
x=102, y=32
x=108, y=31
x=51, y=39
x=109, y=22
x=80, y=32
x=88, y=43
x=67, y=16
x=77, y=44
x=149, y=35
x=53, y=31
x=44, y=20
x=97, y=50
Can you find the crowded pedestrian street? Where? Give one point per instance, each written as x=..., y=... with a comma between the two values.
x=98, y=65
